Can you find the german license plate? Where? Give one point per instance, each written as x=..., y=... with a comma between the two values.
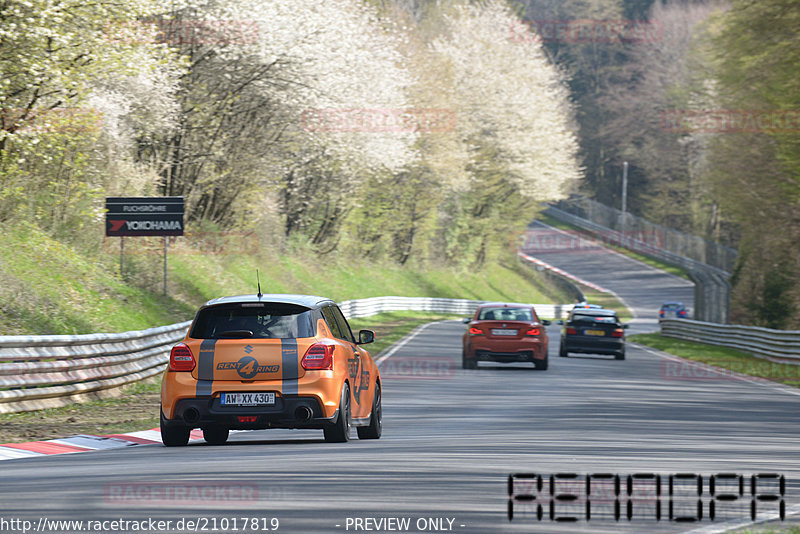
x=504, y=332
x=594, y=332
x=247, y=399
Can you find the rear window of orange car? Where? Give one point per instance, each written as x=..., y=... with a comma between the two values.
x=267, y=320
x=506, y=314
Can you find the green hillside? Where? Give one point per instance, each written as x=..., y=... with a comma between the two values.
x=48, y=286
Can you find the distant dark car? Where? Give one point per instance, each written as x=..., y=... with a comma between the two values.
x=505, y=332
x=671, y=310
x=593, y=331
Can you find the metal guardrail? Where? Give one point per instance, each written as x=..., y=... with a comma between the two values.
x=628, y=240
x=774, y=345
x=712, y=288
x=39, y=372
x=49, y=371
x=678, y=244
x=371, y=306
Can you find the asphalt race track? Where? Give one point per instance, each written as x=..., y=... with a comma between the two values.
x=451, y=439
x=643, y=288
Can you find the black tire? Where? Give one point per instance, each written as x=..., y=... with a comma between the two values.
x=468, y=363
x=215, y=435
x=174, y=435
x=562, y=351
x=373, y=431
x=339, y=432
x=620, y=355
x=541, y=365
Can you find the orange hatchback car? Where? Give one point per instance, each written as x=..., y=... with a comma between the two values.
x=270, y=361
x=505, y=332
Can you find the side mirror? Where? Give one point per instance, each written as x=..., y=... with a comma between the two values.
x=466, y=320
x=625, y=325
x=365, y=336
x=559, y=322
x=546, y=322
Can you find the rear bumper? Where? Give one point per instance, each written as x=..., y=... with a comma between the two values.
x=320, y=390
x=593, y=345
x=287, y=412
x=506, y=357
x=512, y=350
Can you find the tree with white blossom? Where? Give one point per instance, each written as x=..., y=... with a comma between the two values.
x=248, y=106
x=513, y=118
x=69, y=101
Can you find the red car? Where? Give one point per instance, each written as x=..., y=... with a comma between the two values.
x=505, y=332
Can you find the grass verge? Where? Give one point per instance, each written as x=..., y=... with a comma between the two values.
x=49, y=286
x=649, y=260
x=735, y=361
x=137, y=407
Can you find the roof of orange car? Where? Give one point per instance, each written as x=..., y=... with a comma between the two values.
x=309, y=301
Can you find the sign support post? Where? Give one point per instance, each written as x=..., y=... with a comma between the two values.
x=165, y=265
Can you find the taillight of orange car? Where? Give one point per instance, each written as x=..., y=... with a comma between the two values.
x=318, y=357
x=181, y=358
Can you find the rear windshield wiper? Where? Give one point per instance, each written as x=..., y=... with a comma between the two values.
x=236, y=333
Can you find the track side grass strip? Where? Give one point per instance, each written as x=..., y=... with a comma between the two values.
x=733, y=362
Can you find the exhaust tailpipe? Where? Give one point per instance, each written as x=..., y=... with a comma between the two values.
x=191, y=416
x=303, y=414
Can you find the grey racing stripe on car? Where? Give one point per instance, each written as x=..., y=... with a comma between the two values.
x=289, y=366
x=205, y=368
